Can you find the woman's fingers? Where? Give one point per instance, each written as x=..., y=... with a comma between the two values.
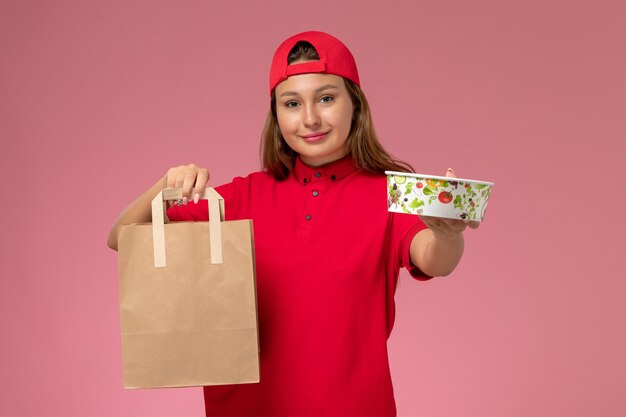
x=446, y=227
x=179, y=179
x=176, y=176
x=201, y=181
x=442, y=225
x=450, y=173
x=171, y=177
x=190, y=178
x=455, y=226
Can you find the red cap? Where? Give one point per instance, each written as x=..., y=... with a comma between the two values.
x=335, y=58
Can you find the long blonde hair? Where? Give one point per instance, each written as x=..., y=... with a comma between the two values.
x=278, y=158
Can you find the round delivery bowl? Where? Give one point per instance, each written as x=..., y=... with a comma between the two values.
x=429, y=195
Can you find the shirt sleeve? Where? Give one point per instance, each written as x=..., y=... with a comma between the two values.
x=405, y=227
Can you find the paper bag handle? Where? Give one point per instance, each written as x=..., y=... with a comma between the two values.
x=216, y=216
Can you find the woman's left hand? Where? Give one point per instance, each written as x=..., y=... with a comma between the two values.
x=444, y=228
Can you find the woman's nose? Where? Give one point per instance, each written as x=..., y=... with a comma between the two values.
x=311, y=116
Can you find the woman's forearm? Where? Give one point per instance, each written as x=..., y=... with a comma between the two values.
x=436, y=255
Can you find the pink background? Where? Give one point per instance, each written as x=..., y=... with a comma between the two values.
x=98, y=99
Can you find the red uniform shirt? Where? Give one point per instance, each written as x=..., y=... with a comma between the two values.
x=328, y=254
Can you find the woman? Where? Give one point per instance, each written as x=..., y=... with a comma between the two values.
x=328, y=252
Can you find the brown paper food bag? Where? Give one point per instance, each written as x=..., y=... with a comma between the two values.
x=188, y=300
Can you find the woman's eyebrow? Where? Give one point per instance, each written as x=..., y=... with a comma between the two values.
x=322, y=88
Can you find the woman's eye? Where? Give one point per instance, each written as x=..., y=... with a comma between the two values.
x=327, y=99
x=291, y=104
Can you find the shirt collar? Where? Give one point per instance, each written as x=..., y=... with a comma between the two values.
x=333, y=171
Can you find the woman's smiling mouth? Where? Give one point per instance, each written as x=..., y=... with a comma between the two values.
x=314, y=137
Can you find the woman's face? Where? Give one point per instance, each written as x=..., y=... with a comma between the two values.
x=314, y=116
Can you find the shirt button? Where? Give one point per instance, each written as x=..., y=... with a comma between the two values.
x=318, y=174
x=315, y=193
x=308, y=217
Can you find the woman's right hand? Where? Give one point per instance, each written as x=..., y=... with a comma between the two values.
x=191, y=178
